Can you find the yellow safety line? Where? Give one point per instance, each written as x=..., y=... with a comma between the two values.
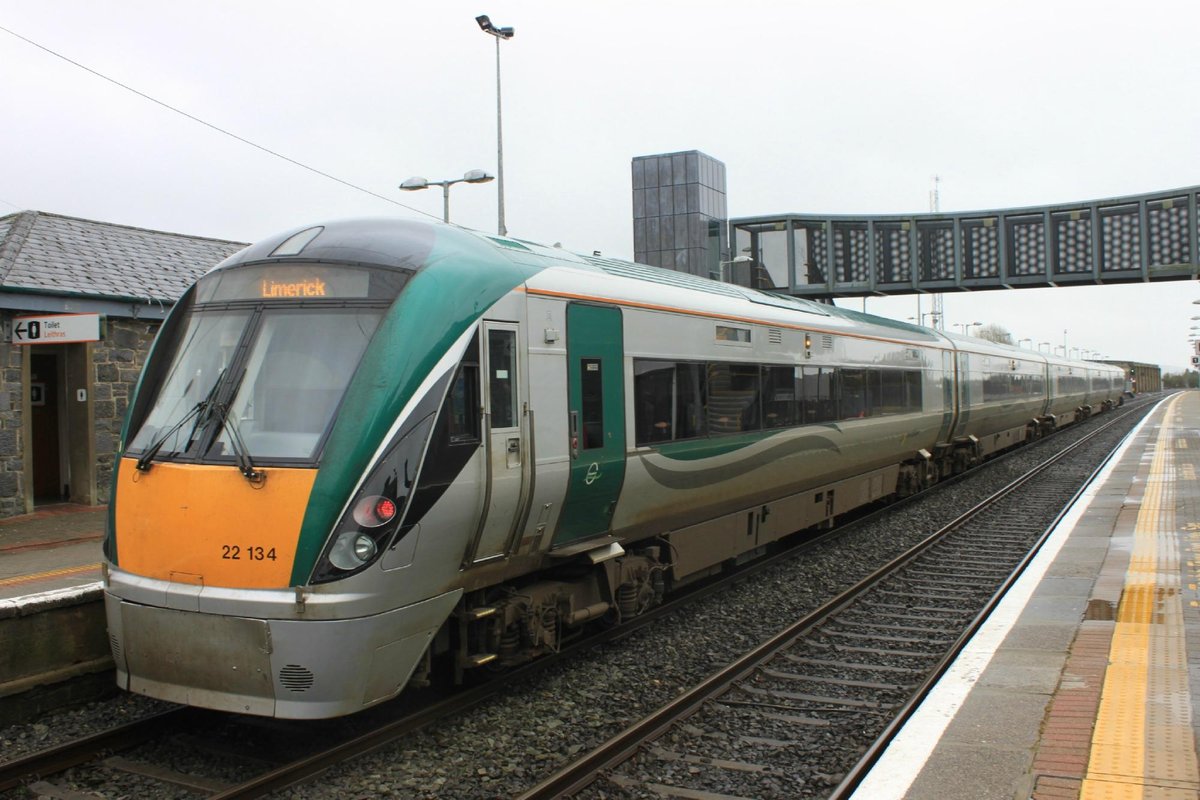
x=54, y=573
x=1142, y=743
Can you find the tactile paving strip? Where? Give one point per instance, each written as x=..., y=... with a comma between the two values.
x=1143, y=744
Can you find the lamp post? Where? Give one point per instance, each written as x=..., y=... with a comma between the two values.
x=1040, y=346
x=966, y=325
x=487, y=27
x=1024, y=340
x=415, y=184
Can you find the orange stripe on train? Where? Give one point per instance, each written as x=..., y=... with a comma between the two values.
x=207, y=525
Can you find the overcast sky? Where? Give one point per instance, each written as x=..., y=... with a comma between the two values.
x=814, y=108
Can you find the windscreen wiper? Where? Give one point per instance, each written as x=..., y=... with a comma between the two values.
x=143, y=463
x=240, y=452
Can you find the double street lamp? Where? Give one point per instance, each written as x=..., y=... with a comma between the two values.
x=487, y=27
x=472, y=176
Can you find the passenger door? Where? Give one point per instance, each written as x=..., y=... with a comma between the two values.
x=504, y=439
x=596, y=411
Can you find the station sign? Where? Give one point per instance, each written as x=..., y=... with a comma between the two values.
x=56, y=329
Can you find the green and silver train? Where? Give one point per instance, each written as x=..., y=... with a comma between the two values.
x=371, y=453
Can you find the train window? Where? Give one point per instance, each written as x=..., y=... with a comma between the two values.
x=820, y=395
x=871, y=404
x=913, y=380
x=691, y=395
x=502, y=377
x=297, y=370
x=852, y=402
x=462, y=406
x=207, y=348
x=654, y=392
x=894, y=391
x=591, y=388
x=670, y=401
x=733, y=398
x=725, y=333
x=996, y=387
x=779, y=397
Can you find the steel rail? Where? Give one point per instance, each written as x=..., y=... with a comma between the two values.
x=79, y=751
x=585, y=770
x=859, y=771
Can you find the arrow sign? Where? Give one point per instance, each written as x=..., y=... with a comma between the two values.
x=56, y=329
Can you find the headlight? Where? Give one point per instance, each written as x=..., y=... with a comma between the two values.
x=352, y=550
x=371, y=520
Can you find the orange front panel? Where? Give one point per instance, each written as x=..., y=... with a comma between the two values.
x=208, y=525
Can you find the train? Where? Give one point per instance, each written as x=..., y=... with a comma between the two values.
x=371, y=454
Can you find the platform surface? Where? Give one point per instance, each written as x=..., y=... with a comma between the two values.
x=57, y=547
x=1084, y=682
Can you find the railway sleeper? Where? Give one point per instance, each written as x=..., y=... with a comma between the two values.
x=875, y=637
x=892, y=627
x=819, y=699
x=806, y=678
x=848, y=665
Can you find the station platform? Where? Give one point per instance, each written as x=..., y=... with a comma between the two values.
x=1085, y=681
x=56, y=547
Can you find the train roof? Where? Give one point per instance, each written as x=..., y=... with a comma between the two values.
x=416, y=245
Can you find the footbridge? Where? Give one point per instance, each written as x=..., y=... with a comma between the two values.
x=1140, y=238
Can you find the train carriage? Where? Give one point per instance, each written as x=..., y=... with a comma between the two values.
x=369, y=453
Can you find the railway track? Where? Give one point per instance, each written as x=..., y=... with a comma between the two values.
x=780, y=721
x=240, y=776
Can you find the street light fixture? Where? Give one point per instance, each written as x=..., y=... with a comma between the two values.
x=735, y=260
x=487, y=27
x=966, y=325
x=415, y=184
x=1024, y=340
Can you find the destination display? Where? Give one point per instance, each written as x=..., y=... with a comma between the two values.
x=290, y=282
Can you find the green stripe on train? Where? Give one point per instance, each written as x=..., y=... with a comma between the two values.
x=462, y=278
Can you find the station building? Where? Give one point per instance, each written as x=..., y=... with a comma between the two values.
x=80, y=303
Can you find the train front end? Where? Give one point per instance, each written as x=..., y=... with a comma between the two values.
x=268, y=458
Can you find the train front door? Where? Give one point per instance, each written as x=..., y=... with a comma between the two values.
x=596, y=410
x=506, y=464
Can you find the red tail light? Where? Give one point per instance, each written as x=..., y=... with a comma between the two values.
x=373, y=511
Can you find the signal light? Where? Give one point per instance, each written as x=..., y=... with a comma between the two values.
x=385, y=509
x=373, y=511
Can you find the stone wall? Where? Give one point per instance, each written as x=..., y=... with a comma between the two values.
x=12, y=440
x=117, y=362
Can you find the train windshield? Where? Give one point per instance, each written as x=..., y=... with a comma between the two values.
x=296, y=371
x=262, y=375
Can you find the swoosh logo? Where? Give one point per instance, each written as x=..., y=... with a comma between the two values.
x=699, y=478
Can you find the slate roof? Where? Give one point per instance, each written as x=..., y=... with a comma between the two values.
x=42, y=252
